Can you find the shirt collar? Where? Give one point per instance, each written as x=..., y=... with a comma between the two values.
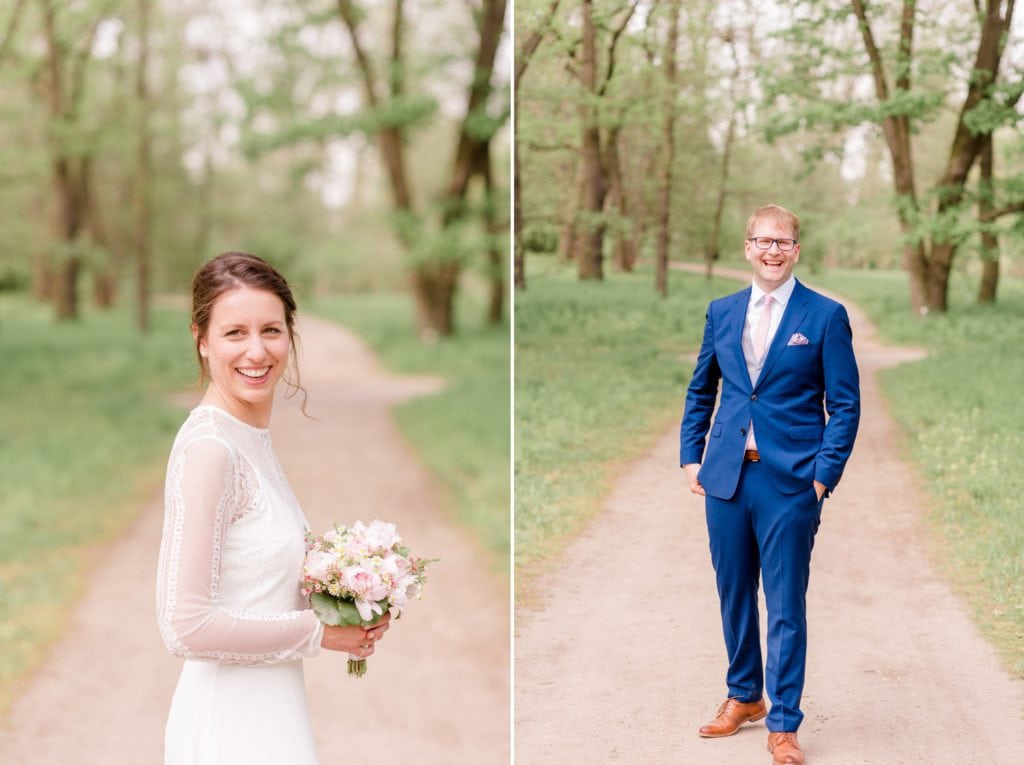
x=781, y=294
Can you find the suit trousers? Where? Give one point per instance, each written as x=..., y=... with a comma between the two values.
x=763, y=531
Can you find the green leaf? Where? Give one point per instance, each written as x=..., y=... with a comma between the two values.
x=326, y=609
x=348, y=611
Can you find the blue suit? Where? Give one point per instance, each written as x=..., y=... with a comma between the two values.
x=762, y=516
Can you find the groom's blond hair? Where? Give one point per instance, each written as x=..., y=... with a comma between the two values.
x=775, y=213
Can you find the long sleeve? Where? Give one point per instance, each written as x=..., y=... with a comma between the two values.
x=842, y=400
x=700, y=399
x=204, y=493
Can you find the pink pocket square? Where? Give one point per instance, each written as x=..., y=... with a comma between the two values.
x=798, y=339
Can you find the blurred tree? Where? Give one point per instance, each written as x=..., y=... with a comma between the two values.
x=143, y=174
x=67, y=58
x=594, y=147
x=813, y=83
x=531, y=41
x=668, y=146
x=309, y=105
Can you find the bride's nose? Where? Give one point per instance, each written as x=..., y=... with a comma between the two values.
x=255, y=349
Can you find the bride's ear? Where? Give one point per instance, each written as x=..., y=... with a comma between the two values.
x=200, y=343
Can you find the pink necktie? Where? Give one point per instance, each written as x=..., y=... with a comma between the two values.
x=761, y=338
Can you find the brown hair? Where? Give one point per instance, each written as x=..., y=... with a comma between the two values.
x=229, y=271
x=780, y=215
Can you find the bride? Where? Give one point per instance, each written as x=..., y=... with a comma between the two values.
x=228, y=598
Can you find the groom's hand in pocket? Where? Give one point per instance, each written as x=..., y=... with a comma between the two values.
x=691, y=476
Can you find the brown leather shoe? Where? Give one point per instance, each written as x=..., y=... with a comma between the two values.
x=785, y=748
x=731, y=715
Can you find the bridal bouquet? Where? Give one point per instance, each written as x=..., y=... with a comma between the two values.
x=353, y=576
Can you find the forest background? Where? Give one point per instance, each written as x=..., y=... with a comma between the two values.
x=361, y=147
x=647, y=132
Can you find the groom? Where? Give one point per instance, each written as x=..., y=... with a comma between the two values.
x=783, y=357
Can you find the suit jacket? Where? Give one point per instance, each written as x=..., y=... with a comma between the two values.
x=798, y=384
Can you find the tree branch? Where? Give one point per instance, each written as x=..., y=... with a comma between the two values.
x=350, y=15
x=906, y=46
x=612, y=45
x=78, y=66
x=990, y=215
x=533, y=42
x=12, y=29
x=397, y=76
x=877, y=68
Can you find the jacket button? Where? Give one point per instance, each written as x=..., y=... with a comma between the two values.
x=743, y=431
x=753, y=397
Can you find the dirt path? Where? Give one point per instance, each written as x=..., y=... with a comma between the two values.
x=437, y=691
x=626, y=660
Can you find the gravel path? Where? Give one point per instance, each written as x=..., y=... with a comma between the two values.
x=625, y=660
x=103, y=696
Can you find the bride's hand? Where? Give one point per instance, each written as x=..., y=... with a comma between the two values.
x=356, y=640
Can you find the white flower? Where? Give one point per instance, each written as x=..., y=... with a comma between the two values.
x=318, y=565
x=381, y=535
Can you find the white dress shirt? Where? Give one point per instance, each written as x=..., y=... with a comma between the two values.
x=755, y=308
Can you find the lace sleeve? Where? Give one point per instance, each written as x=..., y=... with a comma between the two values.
x=199, y=503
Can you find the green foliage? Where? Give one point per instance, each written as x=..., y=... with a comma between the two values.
x=461, y=432
x=404, y=112
x=87, y=424
x=539, y=237
x=337, y=612
x=601, y=370
x=962, y=422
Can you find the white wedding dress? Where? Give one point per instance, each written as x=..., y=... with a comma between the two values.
x=229, y=602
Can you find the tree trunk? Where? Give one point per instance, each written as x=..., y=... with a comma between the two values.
x=69, y=204
x=143, y=174
x=519, y=251
x=433, y=286
x=618, y=203
x=589, y=263
x=67, y=289
x=568, y=237
x=989, y=281
x=105, y=273
x=43, y=278
x=530, y=45
x=496, y=304
x=711, y=254
x=989, y=241
x=69, y=224
x=668, y=141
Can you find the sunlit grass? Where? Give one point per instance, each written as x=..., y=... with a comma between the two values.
x=86, y=427
x=964, y=424
x=462, y=432
x=601, y=370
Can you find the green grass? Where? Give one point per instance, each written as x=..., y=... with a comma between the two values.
x=601, y=370
x=961, y=413
x=462, y=432
x=86, y=428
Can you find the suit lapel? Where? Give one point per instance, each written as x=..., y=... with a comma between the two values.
x=734, y=333
x=792, y=317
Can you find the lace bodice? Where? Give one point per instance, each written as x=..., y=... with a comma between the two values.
x=232, y=549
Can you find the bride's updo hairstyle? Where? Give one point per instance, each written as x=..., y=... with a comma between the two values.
x=240, y=269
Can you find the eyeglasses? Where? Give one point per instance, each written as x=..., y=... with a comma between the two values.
x=765, y=243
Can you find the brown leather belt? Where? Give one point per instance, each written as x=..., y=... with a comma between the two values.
x=751, y=455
